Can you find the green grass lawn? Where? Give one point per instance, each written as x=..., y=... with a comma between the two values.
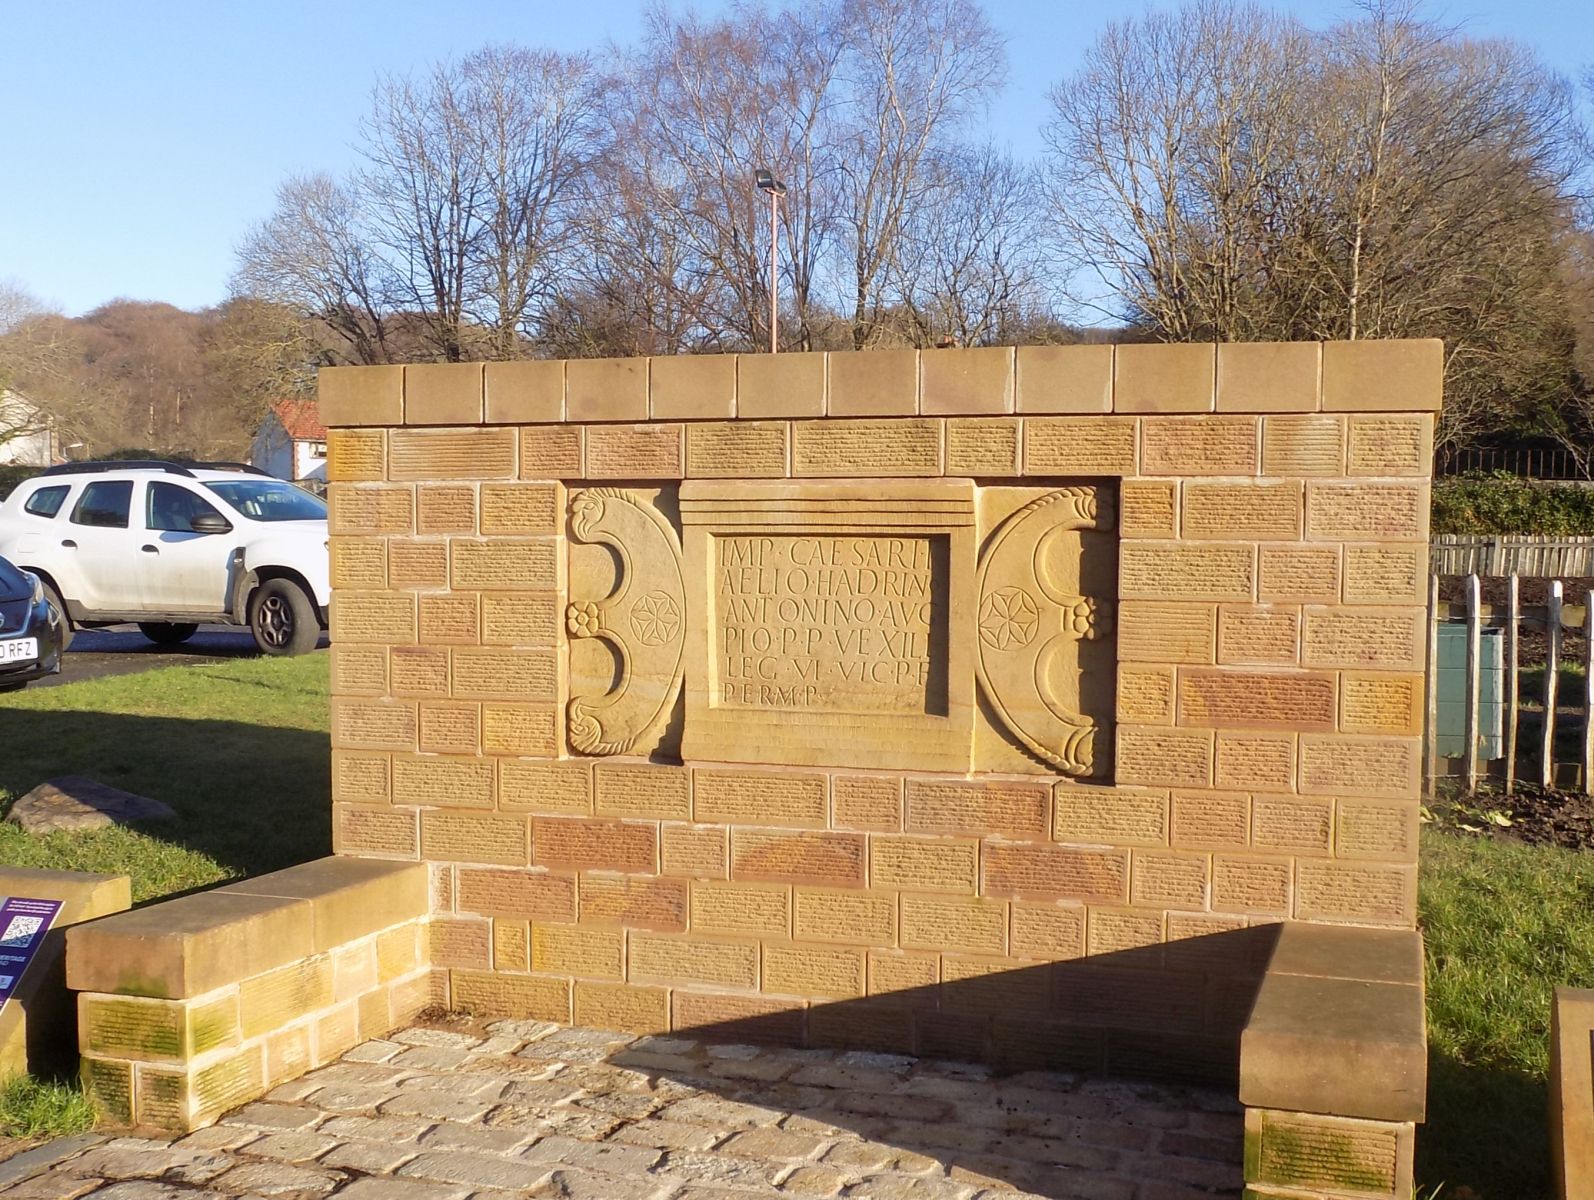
x=239, y=750
x=1504, y=924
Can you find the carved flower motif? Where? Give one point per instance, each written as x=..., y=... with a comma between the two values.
x=581, y=618
x=1008, y=618
x=655, y=619
x=1084, y=619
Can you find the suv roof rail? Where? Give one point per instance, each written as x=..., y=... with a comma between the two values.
x=126, y=464
x=246, y=468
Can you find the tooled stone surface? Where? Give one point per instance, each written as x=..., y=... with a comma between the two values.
x=1031, y=617
x=642, y=621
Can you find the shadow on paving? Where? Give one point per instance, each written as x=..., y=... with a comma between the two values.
x=1167, y=1015
x=253, y=798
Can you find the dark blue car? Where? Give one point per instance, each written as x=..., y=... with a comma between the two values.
x=31, y=630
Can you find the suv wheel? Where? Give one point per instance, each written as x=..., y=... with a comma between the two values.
x=54, y=597
x=167, y=633
x=282, y=618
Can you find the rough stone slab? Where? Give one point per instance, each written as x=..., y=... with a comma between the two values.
x=71, y=802
x=30, y=1162
x=349, y=897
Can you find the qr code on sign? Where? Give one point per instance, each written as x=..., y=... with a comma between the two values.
x=20, y=930
x=6, y=981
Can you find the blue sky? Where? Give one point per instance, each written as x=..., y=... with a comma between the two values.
x=143, y=139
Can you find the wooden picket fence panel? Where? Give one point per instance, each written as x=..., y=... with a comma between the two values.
x=1554, y=619
x=1527, y=555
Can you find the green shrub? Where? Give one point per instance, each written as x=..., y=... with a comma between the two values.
x=11, y=476
x=1484, y=505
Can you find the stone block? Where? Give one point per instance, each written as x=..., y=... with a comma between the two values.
x=659, y=958
x=954, y=923
x=273, y=999
x=1049, y=932
x=593, y=844
x=873, y=383
x=982, y=446
x=525, y=393
x=634, y=902
x=1270, y=511
x=856, y=918
x=1268, y=376
x=1145, y=694
x=443, y=394
x=1164, y=378
x=361, y=829
x=537, y=895
x=1080, y=446
x=474, y=837
x=1300, y=1156
x=757, y=1018
x=643, y=792
x=1111, y=931
x=360, y=396
x=780, y=385
x=1167, y=633
x=523, y=730
x=1037, y=871
x=606, y=389
x=502, y=673
x=1209, y=445
x=1005, y=806
x=924, y=864
x=691, y=386
x=418, y=564
x=1186, y=571
x=520, y=509
x=418, y=671
x=356, y=455
x=1303, y=445
x=1148, y=508
x=961, y=381
x=829, y=973
x=1257, y=699
x=186, y=947
x=358, y=725
x=445, y=508
x=577, y=950
x=1380, y=638
x=552, y=452
x=903, y=447
x=1388, y=574
x=517, y=618
x=634, y=452
x=1249, y=635
x=1571, y=1089
x=1159, y=880
x=738, y=449
x=1390, y=445
x=1215, y=820
x=1297, y=823
x=460, y=944
x=741, y=908
x=1376, y=829
x=1367, y=511
x=622, y=1007
x=1260, y=886
x=794, y=799
x=872, y=802
x=426, y=454
x=795, y=856
x=511, y=945
x=349, y=898
x=1114, y=816
x=1383, y=376
x=1381, y=702
x=694, y=851
x=369, y=510
x=1361, y=893
x=1164, y=757
x=434, y=781
x=561, y=789
x=358, y=562
x=1255, y=761
x=487, y=994
x=1334, y=764
x=1064, y=379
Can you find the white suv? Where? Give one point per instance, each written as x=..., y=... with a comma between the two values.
x=170, y=545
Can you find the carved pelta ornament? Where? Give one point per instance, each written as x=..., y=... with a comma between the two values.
x=643, y=621
x=1030, y=621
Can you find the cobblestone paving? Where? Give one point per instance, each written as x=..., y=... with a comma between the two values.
x=524, y=1109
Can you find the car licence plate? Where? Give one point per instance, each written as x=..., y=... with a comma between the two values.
x=19, y=650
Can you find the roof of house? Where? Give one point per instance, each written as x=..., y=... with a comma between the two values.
x=301, y=418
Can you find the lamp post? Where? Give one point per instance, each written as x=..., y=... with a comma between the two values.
x=776, y=189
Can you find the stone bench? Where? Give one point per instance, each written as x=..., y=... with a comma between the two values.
x=192, y=1006
x=37, y=1031
x=1333, y=1064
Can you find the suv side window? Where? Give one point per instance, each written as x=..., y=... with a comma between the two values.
x=104, y=502
x=172, y=508
x=46, y=502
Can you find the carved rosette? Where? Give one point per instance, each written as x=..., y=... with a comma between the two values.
x=1029, y=621
x=642, y=621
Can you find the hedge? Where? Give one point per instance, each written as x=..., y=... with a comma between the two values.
x=1484, y=505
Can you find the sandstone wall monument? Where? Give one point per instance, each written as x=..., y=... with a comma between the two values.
x=989, y=703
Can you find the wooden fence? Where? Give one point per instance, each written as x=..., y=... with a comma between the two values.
x=1549, y=707
x=1512, y=554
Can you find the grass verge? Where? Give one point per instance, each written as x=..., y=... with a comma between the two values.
x=239, y=750
x=1504, y=924
x=36, y=1109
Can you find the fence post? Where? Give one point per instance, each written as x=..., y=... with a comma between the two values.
x=1552, y=681
x=1474, y=674
x=1513, y=685
x=1588, y=691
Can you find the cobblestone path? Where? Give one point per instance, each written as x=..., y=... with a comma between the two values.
x=525, y=1109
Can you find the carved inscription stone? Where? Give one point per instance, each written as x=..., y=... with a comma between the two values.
x=821, y=619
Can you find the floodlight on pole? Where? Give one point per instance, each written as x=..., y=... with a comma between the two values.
x=768, y=183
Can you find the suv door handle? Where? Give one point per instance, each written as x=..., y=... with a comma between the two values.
x=69, y=543
x=149, y=549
